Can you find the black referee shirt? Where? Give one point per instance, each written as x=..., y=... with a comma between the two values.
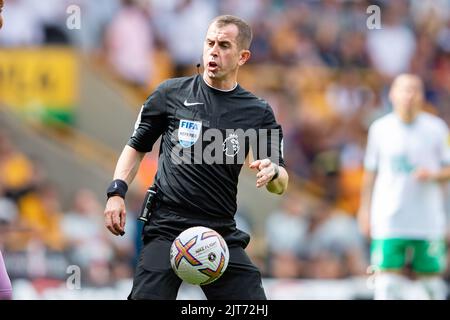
x=206, y=134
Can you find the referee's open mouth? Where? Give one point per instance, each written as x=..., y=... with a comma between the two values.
x=212, y=66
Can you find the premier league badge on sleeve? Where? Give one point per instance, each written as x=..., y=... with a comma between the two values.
x=189, y=132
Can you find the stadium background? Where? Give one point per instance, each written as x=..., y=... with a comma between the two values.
x=69, y=97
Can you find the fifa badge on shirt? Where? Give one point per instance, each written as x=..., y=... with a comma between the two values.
x=189, y=132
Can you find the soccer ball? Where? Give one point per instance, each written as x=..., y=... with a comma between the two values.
x=199, y=255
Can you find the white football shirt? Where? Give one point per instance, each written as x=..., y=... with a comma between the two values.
x=402, y=206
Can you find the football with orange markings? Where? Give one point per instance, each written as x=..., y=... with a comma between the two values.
x=199, y=255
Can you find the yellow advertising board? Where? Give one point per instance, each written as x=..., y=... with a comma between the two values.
x=40, y=82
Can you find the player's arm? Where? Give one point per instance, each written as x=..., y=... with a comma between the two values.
x=271, y=175
x=126, y=169
x=371, y=160
x=442, y=175
x=366, y=201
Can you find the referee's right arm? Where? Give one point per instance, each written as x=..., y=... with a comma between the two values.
x=126, y=169
x=128, y=164
x=149, y=126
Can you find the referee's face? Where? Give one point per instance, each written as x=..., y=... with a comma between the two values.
x=221, y=53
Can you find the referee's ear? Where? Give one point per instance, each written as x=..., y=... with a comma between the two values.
x=244, y=56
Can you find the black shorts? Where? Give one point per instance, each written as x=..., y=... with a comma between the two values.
x=165, y=223
x=155, y=279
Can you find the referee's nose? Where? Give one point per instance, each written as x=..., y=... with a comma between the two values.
x=214, y=52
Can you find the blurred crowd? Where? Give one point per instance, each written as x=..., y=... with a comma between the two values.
x=41, y=239
x=324, y=72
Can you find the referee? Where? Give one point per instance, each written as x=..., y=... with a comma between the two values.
x=190, y=193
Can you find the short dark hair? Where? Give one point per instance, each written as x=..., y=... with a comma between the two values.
x=244, y=37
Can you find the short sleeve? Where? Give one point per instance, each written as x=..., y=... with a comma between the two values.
x=270, y=139
x=371, y=157
x=151, y=121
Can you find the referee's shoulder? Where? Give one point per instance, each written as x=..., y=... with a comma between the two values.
x=260, y=102
x=177, y=82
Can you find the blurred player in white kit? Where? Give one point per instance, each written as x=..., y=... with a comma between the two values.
x=402, y=208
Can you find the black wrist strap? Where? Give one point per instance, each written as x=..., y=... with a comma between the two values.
x=117, y=188
x=277, y=172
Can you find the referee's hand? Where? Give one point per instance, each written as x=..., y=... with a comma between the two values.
x=266, y=170
x=115, y=215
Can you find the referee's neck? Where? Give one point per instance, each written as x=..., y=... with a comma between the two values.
x=221, y=85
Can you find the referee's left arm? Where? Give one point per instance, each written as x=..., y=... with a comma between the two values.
x=271, y=171
x=279, y=185
x=271, y=175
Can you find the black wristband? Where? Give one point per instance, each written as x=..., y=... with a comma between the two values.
x=277, y=172
x=117, y=188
